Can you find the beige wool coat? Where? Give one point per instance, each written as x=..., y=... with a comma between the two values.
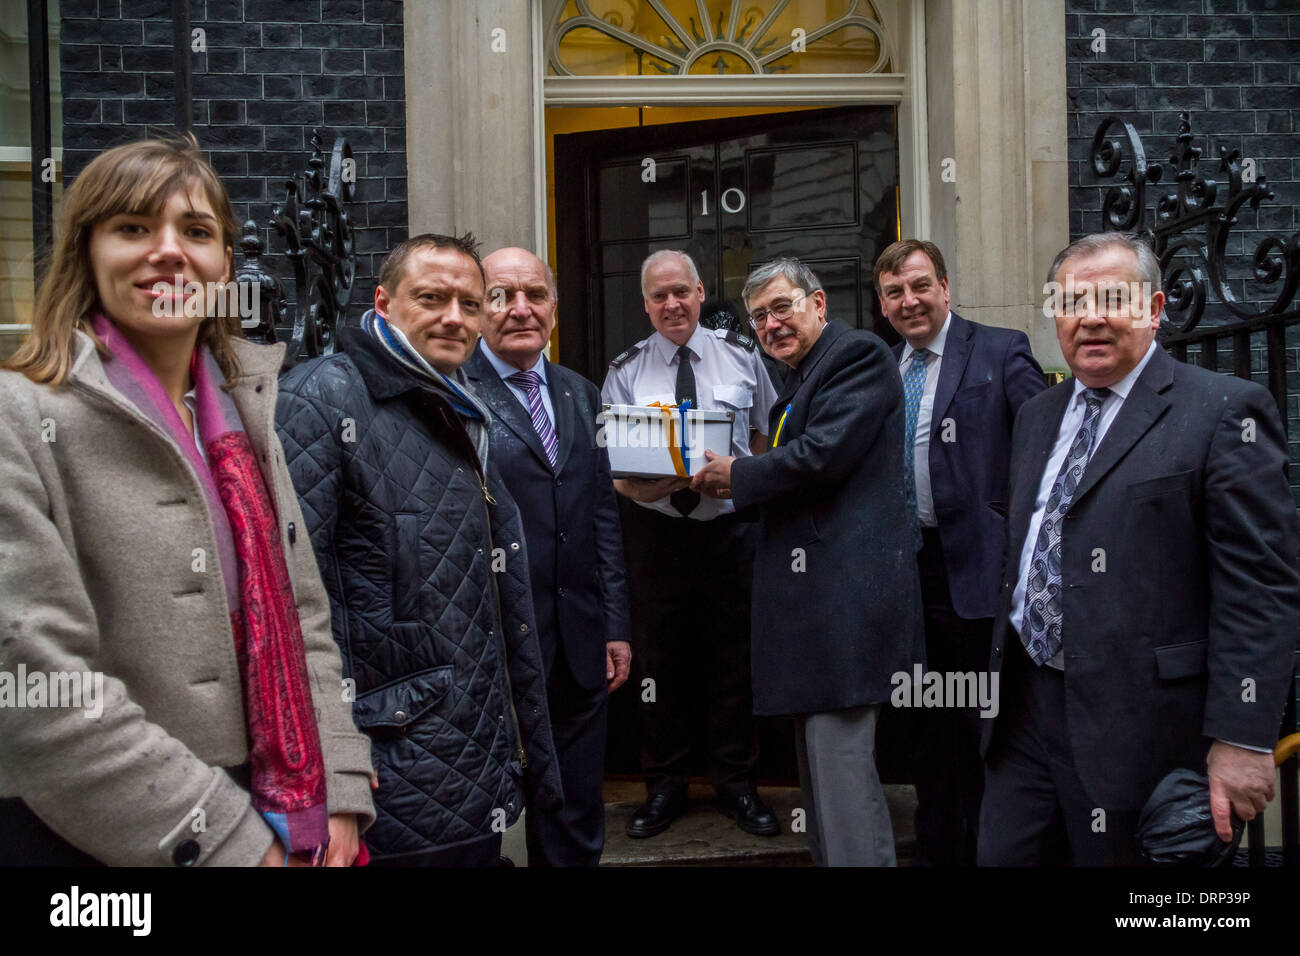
x=108, y=564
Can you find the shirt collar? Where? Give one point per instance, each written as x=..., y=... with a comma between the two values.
x=936, y=347
x=505, y=369
x=1125, y=384
x=668, y=351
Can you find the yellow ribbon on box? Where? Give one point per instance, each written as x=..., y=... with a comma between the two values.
x=674, y=442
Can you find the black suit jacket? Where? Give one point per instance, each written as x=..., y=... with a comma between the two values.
x=985, y=376
x=1178, y=565
x=571, y=527
x=836, y=608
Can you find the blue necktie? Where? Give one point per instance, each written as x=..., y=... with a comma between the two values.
x=1042, y=620
x=913, y=391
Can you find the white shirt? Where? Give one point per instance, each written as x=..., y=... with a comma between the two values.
x=505, y=370
x=921, y=448
x=1070, y=422
x=727, y=378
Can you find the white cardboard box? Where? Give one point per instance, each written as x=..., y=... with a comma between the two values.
x=642, y=444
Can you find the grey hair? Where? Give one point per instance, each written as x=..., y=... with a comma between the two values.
x=794, y=271
x=1147, y=263
x=656, y=257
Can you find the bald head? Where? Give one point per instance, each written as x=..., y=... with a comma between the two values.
x=521, y=302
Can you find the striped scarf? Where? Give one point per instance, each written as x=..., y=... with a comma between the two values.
x=474, y=414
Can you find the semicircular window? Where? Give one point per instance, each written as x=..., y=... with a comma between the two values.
x=715, y=37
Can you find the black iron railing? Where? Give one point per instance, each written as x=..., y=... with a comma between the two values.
x=321, y=249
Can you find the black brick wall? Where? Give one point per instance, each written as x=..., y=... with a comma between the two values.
x=273, y=71
x=1234, y=65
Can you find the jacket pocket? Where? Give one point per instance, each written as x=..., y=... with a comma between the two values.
x=407, y=582
x=973, y=393
x=736, y=396
x=1176, y=661
x=396, y=706
x=1164, y=485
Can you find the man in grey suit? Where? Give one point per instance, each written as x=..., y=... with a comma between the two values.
x=837, y=605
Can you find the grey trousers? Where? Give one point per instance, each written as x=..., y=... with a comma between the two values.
x=846, y=815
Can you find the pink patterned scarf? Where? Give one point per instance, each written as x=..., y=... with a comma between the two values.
x=285, y=758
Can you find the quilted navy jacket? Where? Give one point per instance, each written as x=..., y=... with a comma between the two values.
x=427, y=575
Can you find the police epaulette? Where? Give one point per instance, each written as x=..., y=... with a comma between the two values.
x=735, y=338
x=621, y=359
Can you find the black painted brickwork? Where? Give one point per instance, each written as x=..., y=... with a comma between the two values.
x=1234, y=65
x=273, y=71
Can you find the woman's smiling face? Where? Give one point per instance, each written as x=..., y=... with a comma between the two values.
x=133, y=253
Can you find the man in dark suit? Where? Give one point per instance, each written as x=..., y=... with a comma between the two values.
x=543, y=438
x=1150, y=597
x=836, y=607
x=962, y=384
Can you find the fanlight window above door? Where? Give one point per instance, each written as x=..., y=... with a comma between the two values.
x=715, y=37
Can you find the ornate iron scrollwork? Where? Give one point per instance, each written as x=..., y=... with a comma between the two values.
x=1191, y=285
x=321, y=249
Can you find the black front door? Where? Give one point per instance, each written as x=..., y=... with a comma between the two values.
x=818, y=185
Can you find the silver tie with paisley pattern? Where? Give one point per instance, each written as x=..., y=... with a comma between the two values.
x=1042, y=621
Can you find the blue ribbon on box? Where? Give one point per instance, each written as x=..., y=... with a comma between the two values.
x=683, y=408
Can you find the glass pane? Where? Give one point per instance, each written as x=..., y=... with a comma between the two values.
x=16, y=273
x=850, y=49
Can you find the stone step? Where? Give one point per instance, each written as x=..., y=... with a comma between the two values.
x=704, y=837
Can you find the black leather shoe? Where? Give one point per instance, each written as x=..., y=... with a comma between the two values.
x=751, y=814
x=656, y=814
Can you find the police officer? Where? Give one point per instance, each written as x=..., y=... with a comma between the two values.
x=690, y=560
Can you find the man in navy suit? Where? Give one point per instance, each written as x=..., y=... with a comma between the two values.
x=963, y=384
x=1150, y=594
x=543, y=438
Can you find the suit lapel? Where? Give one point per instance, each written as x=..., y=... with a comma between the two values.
x=497, y=396
x=562, y=401
x=956, y=355
x=1140, y=411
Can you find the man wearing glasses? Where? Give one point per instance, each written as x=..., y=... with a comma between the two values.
x=690, y=560
x=836, y=596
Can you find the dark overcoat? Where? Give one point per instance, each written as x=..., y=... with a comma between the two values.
x=837, y=604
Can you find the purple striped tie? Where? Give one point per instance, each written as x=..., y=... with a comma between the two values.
x=531, y=383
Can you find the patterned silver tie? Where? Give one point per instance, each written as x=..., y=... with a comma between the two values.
x=1042, y=621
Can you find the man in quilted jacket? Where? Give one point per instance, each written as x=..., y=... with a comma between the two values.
x=422, y=552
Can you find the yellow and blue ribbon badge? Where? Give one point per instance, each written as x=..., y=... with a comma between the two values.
x=781, y=424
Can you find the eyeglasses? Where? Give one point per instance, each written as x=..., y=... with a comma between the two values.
x=781, y=310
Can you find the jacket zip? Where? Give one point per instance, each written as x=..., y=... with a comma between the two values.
x=496, y=601
x=501, y=639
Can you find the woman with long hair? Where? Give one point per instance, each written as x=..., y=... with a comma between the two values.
x=170, y=693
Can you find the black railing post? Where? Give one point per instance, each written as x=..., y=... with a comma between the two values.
x=181, y=65
x=38, y=68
